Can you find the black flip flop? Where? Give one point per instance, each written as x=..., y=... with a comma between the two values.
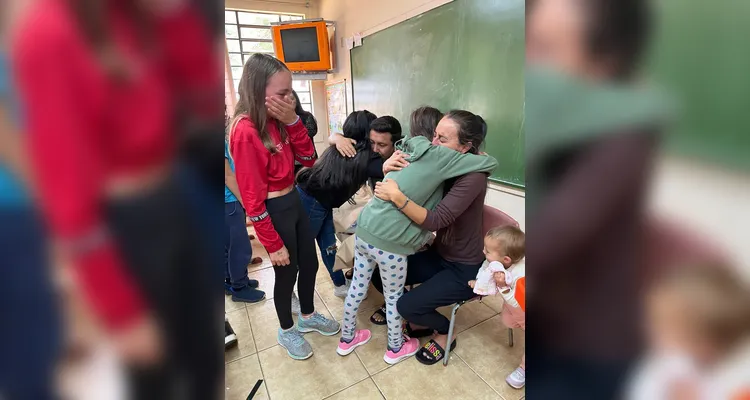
x=432, y=353
x=416, y=333
x=380, y=311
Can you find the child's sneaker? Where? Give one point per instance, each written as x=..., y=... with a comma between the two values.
x=230, y=338
x=318, y=323
x=247, y=295
x=408, y=349
x=361, y=337
x=517, y=378
x=295, y=344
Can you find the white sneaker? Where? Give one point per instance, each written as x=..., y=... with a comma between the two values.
x=340, y=291
x=295, y=304
x=517, y=378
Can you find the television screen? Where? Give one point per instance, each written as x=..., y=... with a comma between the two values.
x=300, y=45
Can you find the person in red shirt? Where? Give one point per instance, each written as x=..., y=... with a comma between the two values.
x=102, y=140
x=265, y=138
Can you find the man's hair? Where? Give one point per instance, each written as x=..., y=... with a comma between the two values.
x=512, y=239
x=387, y=124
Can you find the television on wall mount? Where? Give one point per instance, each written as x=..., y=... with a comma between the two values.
x=304, y=46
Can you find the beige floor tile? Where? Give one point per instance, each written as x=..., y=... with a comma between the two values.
x=336, y=304
x=245, y=342
x=265, y=323
x=365, y=390
x=485, y=349
x=230, y=305
x=324, y=374
x=241, y=376
x=411, y=380
x=494, y=302
x=323, y=275
x=469, y=315
x=266, y=279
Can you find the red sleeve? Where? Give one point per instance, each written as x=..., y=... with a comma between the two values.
x=68, y=171
x=302, y=145
x=251, y=160
x=194, y=61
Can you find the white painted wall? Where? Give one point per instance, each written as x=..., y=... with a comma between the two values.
x=710, y=200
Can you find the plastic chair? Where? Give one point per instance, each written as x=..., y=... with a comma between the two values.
x=491, y=217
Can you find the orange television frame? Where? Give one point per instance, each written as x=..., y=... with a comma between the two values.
x=324, y=52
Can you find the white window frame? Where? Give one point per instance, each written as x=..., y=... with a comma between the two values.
x=233, y=35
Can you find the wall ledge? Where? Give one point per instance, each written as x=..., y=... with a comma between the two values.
x=498, y=187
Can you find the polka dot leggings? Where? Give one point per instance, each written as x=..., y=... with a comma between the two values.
x=393, y=273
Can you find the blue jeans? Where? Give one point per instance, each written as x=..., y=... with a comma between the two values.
x=30, y=333
x=237, y=249
x=321, y=223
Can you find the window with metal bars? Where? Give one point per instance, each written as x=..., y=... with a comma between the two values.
x=247, y=33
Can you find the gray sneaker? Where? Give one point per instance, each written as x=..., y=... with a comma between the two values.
x=295, y=344
x=318, y=323
x=341, y=291
x=295, y=304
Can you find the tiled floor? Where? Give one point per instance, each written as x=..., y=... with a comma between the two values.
x=477, y=368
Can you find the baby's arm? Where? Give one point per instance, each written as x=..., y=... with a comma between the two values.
x=472, y=283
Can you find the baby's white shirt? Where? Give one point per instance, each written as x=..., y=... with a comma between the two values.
x=485, y=284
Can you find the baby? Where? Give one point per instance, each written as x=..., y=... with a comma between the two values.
x=698, y=326
x=504, y=269
x=503, y=248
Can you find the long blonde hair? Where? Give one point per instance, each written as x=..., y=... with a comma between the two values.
x=251, y=97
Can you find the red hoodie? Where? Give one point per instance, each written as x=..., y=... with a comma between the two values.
x=84, y=128
x=259, y=172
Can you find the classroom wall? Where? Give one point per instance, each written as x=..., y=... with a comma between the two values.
x=371, y=16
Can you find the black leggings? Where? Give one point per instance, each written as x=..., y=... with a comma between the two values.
x=293, y=225
x=165, y=254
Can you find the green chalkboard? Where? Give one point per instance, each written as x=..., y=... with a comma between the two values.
x=467, y=54
x=700, y=55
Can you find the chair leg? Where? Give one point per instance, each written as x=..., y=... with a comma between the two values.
x=510, y=337
x=450, y=335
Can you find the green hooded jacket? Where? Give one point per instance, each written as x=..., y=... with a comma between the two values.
x=563, y=113
x=382, y=225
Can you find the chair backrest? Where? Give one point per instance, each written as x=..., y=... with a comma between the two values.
x=670, y=245
x=492, y=217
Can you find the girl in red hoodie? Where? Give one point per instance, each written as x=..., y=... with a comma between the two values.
x=99, y=80
x=265, y=138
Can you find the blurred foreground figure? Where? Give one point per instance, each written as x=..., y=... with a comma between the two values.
x=698, y=330
x=29, y=318
x=591, y=140
x=103, y=138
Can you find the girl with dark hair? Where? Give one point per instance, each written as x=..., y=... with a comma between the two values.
x=385, y=236
x=457, y=252
x=310, y=123
x=332, y=181
x=105, y=178
x=265, y=137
